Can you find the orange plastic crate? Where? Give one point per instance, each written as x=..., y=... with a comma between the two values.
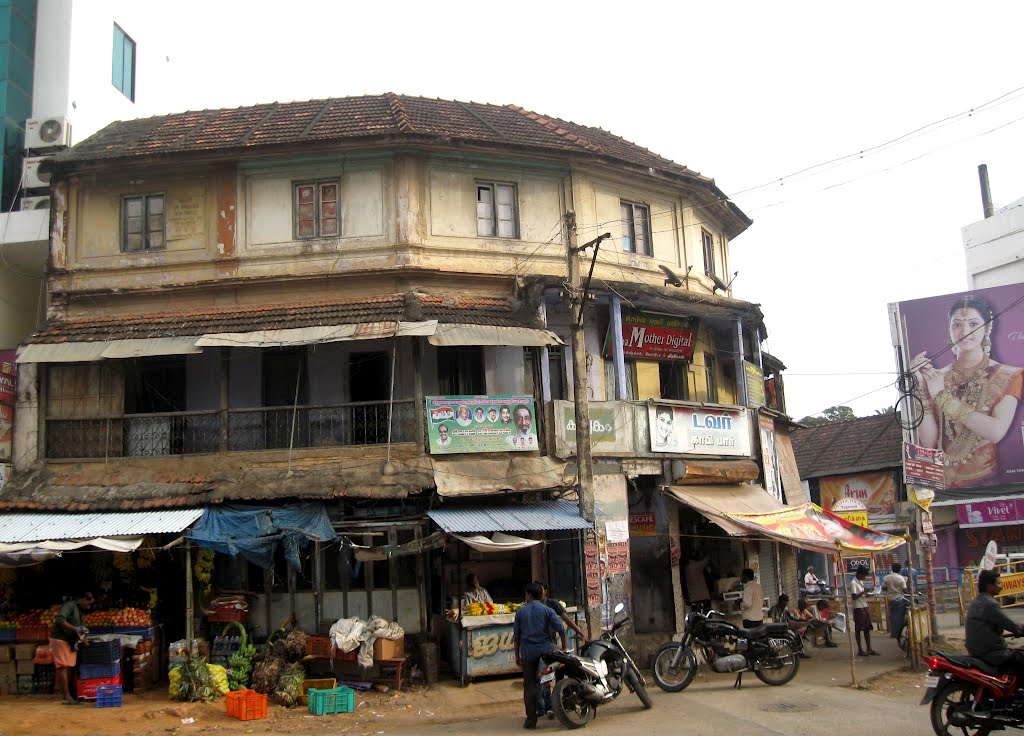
x=246, y=705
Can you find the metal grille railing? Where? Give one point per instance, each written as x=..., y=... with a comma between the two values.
x=266, y=428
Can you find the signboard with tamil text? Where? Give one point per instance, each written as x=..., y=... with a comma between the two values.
x=611, y=427
x=8, y=376
x=755, y=384
x=699, y=430
x=655, y=337
x=457, y=424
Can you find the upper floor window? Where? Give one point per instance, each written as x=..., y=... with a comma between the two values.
x=708, y=243
x=460, y=371
x=143, y=225
x=636, y=228
x=316, y=209
x=711, y=376
x=496, y=211
x=123, y=63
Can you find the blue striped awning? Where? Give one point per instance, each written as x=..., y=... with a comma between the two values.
x=520, y=517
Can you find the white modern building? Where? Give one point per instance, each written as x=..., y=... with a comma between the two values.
x=994, y=248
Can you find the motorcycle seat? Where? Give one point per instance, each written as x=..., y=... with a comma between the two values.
x=965, y=661
x=764, y=630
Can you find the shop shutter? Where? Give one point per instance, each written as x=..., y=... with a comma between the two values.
x=769, y=574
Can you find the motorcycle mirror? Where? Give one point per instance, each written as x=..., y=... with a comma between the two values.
x=620, y=608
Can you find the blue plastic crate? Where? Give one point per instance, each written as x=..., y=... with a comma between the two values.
x=108, y=696
x=8, y=634
x=98, y=671
x=100, y=652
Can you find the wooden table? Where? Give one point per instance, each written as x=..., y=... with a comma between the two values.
x=398, y=664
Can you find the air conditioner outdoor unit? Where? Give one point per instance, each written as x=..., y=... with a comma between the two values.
x=31, y=178
x=48, y=132
x=34, y=203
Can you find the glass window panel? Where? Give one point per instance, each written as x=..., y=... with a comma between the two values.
x=156, y=240
x=484, y=195
x=156, y=205
x=505, y=194
x=128, y=76
x=306, y=212
x=506, y=229
x=117, y=71
x=156, y=223
x=329, y=226
x=306, y=229
x=133, y=225
x=329, y=209
x=133, y=242
x=305, y=193
x=329, y=192
x=133, y=207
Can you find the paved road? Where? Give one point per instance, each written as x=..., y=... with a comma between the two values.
x=714, y=708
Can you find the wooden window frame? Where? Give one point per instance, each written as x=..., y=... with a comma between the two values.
x=707, y=242
x=147, y=231
x=629, y=228
x=495, y=225
x=318, y=208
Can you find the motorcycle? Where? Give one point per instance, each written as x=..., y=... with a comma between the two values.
x=770, y=651
x=968, y=696
x=597, y=675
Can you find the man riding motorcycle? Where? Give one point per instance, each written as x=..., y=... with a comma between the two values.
x=986, y=623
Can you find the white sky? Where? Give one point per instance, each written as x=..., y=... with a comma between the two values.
x=743, y=92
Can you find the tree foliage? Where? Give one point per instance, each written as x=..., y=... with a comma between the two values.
x=831, y=414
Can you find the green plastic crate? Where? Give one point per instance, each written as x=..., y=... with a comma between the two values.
x=336, y=700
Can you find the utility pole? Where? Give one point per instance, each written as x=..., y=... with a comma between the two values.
x=581, y=393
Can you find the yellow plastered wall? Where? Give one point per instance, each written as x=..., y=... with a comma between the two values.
x=648, y=380
x=698, y=380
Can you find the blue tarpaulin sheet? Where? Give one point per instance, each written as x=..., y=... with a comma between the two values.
x=254, y=531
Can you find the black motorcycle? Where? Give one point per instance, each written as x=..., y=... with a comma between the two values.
x=597, y=675
x=770, y=651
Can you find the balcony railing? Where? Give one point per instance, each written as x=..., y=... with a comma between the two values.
x=266, y=428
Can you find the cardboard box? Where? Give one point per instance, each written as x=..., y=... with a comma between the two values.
x=8, y=669
x=26, y=667
x=6, y=653
x=8, y=684
x=25, y=651
x=388, y=649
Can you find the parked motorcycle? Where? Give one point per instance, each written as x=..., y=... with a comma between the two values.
x=597, y=675
x=770, y=651
x=968, y=696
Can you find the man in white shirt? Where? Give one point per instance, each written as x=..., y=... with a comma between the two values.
x=752, y=602
x=895, y=586
x=861, y=613
x=811, y=581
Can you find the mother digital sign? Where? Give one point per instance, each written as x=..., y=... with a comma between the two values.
x=655, y=337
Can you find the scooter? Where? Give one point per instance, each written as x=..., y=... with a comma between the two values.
x=597, y=675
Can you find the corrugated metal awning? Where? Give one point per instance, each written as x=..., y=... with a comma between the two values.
x=317, y=334
x=524, y=517
x=144, y=347
x=714, y=501
x=21, y=528
x=62, y=352
x=449, y=335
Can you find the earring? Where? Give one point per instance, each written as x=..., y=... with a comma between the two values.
x=986, y=345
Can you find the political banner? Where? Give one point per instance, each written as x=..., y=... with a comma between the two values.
x=965, y=352
x=459, y=424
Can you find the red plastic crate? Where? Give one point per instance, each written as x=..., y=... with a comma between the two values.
x=88, y=688
x=319, y=646
x=246, y=705
x=227, y=616
x=32, y=633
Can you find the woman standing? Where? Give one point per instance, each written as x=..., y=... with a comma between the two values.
x=969, y=405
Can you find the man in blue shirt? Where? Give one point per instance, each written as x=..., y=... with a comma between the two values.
x=533, y=628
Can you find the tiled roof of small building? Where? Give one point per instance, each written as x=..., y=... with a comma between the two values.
x=865, y=443
x=382, y=117
x=387, y=308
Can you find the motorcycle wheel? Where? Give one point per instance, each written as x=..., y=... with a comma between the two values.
x=638, y=687
x=781, y=666
x=673, y=679
x=955, y=696
x=571, y=710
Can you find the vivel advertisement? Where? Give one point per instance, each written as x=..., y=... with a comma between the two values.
x=966, y=352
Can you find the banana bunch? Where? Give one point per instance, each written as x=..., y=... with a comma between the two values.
x=123, y=563
x=240, y=667
x=146, y=555
x=203, y=570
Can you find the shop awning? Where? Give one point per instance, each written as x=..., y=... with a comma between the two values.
x=145, y=347
x=33, y=529
x=714, y=502
x=88, y=352
x=810, y=527
x=509, y=472
x=521, y=517
x=62, y=352
x=499, y=542
x=318, y=334
x=448, y=335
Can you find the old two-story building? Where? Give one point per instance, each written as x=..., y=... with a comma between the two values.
x=362, y=303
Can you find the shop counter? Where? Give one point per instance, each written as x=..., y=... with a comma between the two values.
x=485, y=645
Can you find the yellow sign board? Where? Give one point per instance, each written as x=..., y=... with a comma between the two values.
x=860, y=518
x=1012, y=584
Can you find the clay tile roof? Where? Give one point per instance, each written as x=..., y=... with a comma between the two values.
x=835, y=448
x=388, y=116
x=386, y=308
